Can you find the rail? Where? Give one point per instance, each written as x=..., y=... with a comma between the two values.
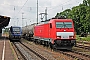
x=25, y=54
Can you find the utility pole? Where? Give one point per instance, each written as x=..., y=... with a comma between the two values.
x=37, y=11
x=62, y=7
x=14, y=16
x=46, y=13
x=22, y=19
x=26, y=23
x=17, y=21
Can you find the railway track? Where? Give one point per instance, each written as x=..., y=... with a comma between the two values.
x=83, y=47
x=76, y=55
x=47, y=52
x=26, y=52
x=83, y=42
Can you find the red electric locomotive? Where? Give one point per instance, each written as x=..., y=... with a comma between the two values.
x=56, y=33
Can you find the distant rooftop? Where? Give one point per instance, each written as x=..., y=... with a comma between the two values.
x=4, y=21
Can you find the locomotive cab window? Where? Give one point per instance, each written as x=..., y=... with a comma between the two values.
x=16, y=29
x=63, y=24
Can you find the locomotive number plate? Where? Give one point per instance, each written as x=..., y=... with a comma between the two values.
x=65, y=37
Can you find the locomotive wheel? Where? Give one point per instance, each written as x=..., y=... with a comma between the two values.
x=47, y=44
x=40, y=42
x=51, y=46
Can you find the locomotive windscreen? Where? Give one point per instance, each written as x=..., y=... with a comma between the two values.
x=63, y=24
x=16, y=29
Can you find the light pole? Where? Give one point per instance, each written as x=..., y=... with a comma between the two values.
x=46, y=13
x=14, y=17
x=37, y=11
x=22, y=19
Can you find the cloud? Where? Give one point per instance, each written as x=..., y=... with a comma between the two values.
x=15, y=8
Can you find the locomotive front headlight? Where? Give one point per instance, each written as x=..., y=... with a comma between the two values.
x=71, y=37
x=58, y=36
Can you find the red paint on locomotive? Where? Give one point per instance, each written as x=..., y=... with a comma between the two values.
x=56, y=31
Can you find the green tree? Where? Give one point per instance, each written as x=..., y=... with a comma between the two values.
x=6, y=30
x=86, y=2
x=80, y=15
x=64, y=13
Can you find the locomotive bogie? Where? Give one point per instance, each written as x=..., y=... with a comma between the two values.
x=15, y=37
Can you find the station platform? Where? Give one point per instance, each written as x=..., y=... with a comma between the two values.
x=6, y=50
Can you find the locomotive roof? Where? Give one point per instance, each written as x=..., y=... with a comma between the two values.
x=53, y=19
x=16, y=26
x=56, y=18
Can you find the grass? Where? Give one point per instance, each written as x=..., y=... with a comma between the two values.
x=83, y=38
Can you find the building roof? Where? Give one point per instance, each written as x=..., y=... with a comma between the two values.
x=4, y=21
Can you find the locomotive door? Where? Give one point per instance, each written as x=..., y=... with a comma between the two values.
x=50, y=28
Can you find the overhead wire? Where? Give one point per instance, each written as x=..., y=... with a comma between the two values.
x=22, y=7
x=48, y=9
x=59, y=5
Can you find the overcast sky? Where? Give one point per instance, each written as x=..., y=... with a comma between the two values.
x=28, y=8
